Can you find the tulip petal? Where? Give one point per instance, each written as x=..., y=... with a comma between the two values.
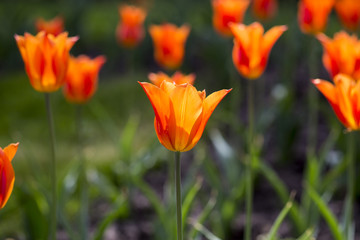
x=163, y=109
x=209, y=105
x=10, y=150
x=7, y=178
x=271, y=36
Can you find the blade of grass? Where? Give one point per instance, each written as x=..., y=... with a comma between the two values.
x=332, y=175
x=307, y=235
x=204, y=214
x=326, y=213
x=111, y=217
x=203, y=230
x=283, y=194
x=275, y=228
x=189, y=199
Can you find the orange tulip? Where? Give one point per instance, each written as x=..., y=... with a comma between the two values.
x=252, y=47
x=55, y=26
x=228, y=11
x=7, y=175
x=46, y=59
x=181, y=113
x=169, y=43
x=81, y=78
x=130, y=30
x=312, y=15
x=344, y=98
x=264, y=9
x=178, y=78
x=341, y=54
x=349, y=13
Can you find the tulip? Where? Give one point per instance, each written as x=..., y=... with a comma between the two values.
x=181, y=113
x=264, y=9
x=344, y=98
x=349, y=13
x=341, y=54
x=7, y=175
x=46, y=59
x=55, y=26
x=228, y=11
x=130, y=30
x=81, y=78
x=252, y=47
x=312, y=15
x=169, y=43
x=178, y=78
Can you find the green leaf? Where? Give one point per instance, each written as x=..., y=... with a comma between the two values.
x=327, y=214
x=189, y=199
x=209, y=235
x=307, y=235
x=274, y=229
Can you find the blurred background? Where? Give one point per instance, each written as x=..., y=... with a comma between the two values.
x=127, y=168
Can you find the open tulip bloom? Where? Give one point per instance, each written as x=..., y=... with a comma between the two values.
x=341, y=54
x=228, y=11
x=81, y=78
x=169, y=44
x=313, y=15
x=181, y=113
x=349, y=13
x=46, y=59
x=252, y=47
x=130, y=30
x=7, y=175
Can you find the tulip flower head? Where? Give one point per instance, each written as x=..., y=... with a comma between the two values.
x=344, y=98
x=313, y=15
x=181, y=113
x=349, y=13
x=130, y=30
x=252, y=47
x=55, y=26
x=264, y=9
x=228, y=11
x=46, y=59
x=169, y=44
x=177, y=78
x=7, y=175
x=341, y=54
x=81, y=78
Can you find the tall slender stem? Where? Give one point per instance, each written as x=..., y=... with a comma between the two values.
x=83, y=178
x=350, y=185
x=248, y=168
x=53, y=209
x=178, y=196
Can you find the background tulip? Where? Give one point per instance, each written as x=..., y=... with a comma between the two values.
x=341, y=54
x=264, y=9
x=228, y=11
x=130, y=29
x=46, y=59
x=349, y=13
x=169, y=43
x=252, y=47
x=313, y=15
x=177, y=78
x=343, y=96
x=54, y=26
x=81, y=78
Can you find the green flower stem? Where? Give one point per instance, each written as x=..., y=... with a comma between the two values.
x=178, y=196
x=248, y=166
x=53, y=208
x=83, y=178
x=349, y=203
